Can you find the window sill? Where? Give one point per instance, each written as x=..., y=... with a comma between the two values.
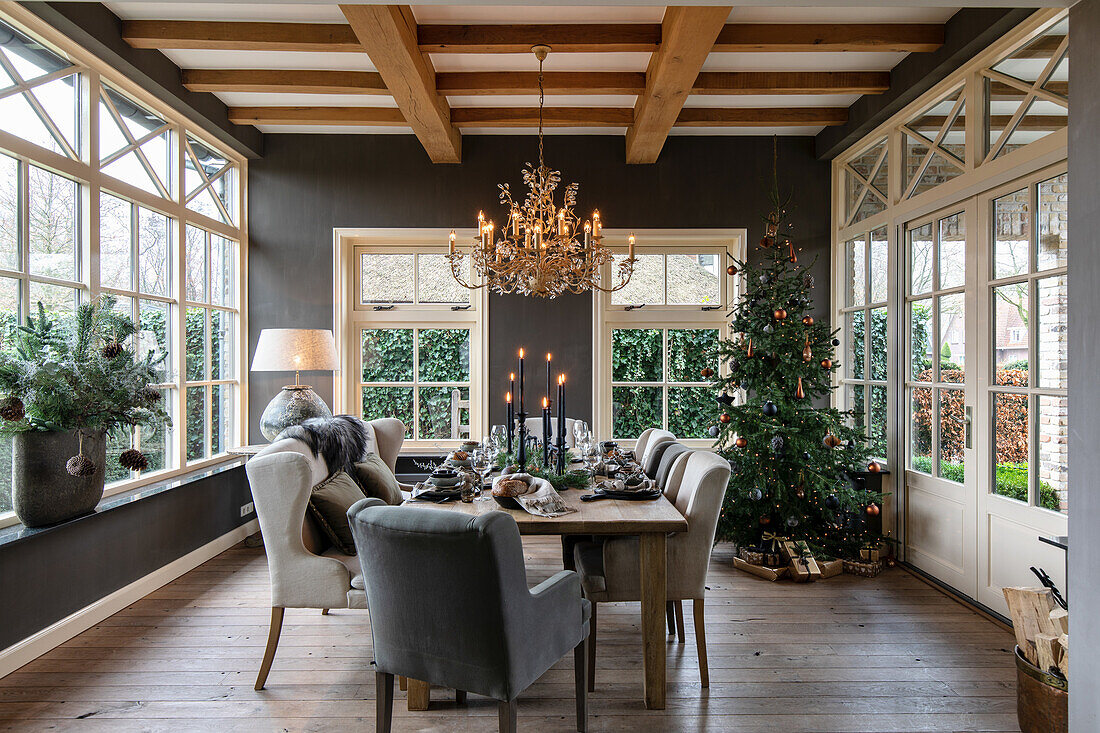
x=16, y=532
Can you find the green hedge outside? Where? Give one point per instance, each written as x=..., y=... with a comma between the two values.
x=1011, y=480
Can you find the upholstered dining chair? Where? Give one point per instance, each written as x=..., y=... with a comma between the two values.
x=449, y=605
x=609, y=569
x=306, y=570
x=650, y=458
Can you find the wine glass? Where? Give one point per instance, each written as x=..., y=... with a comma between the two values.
x=483, y=465
x=499, y=438
x=591, y=457
x=581, y=433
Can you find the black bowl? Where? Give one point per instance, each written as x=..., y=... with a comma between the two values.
x=508, y=502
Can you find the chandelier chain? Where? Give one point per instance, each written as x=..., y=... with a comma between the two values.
x=542, y=100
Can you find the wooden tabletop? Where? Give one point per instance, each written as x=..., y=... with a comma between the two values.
x=607, y=516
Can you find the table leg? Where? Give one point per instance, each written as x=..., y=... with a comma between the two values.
x=652, y=571
x=419, y=694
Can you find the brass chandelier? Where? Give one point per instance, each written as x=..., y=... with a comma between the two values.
x=541, y=250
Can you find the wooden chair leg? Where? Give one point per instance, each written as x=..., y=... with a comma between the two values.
x=670, y=617
x=592, y=650
x=506, y=714
x=383, y=702
x=460, y=697
x=272, y=645
x=419, y=696
x=701, y=641
x=580, y=669
x=402, y=682
x=324, y=612
x=679, y=605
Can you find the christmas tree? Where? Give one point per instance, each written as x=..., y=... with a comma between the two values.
x=790, y=460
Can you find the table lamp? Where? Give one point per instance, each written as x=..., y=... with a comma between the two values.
x=297, y=350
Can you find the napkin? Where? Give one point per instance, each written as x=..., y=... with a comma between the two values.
x=541, y=500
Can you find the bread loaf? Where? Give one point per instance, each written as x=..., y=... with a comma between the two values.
x=510, y=488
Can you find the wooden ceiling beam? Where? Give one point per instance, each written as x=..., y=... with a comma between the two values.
x=799, y=37
x=373, y=116
x=791, y=82
x=388, y=35
x=239, y=36
x=687, y=34
x=303, y=81
x=761, y=117
x=527, y=82
x=562, y=37
x=527, y=117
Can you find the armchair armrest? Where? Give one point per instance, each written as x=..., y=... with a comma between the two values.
x=557, y=605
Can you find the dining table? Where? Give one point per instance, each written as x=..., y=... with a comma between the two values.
x=651, y=521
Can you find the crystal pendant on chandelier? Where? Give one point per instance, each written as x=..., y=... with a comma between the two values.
x=542, y=249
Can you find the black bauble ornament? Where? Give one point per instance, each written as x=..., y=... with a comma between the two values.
x=770, y=409
x=768, y=328
x=713, y=430
x=744, y=384
x=756, y=494
x=764, y=279
x=836, y=342
x=806, y=455
x=832, y=501
x=792, y=521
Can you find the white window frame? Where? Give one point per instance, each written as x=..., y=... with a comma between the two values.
x=350, y=317
x=729, y=243
x=86, y=170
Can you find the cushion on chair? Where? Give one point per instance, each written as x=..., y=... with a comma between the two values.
x=329, y=502
x=351, y=562
x=653, y=460
x=668, y=457
x=377, y=480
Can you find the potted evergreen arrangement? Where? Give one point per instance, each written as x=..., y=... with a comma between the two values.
x=66, y=386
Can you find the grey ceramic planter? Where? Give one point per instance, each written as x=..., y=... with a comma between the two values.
x=42, y=491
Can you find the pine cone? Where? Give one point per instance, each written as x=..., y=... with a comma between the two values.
x=133, y=459
x=80, y=465
x=12, y=409
x=151, y=395
x=111, y=349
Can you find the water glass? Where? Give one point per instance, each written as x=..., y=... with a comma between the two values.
x=581, y=433
x=499, y=437
x=483, y=465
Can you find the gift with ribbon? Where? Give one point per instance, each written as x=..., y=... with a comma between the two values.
x=801, y=562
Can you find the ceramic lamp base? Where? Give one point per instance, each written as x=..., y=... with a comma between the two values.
x=295, y=404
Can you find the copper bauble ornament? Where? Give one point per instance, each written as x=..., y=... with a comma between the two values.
x=741, y=442
x=779, y=314
x=830, y=440
x=767, y=242
x=807, y=353
x=799, y=393
x=706, y=372
x=873, y=467
x=724, y=418
x=872, y=510
x=808, y=320
x=801, y=494
x=749, y=353
x=731, y=270
x=765, y=520
x=826, y=363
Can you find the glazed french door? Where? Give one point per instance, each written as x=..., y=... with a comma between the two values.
x=939, y=392
x=984, y=387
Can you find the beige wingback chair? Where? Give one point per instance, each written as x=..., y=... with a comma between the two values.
x=306, y=572
x=609, y=570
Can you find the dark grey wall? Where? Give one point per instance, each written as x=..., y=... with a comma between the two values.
x=1084, y=355
x=305, y=185
x=967, y=33
x=53, y=573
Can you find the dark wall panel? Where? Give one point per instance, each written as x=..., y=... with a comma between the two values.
x=306, y=185
x=53, y=573
x=1084, y=355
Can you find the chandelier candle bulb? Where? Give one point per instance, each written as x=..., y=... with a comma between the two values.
x=596, y=223
x=452, y=241
x=587, y=235
x=630, y=241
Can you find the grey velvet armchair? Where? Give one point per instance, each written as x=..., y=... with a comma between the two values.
x=449, y=605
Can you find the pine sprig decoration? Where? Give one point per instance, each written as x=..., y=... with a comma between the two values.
x=787, y=477
x=76, y=373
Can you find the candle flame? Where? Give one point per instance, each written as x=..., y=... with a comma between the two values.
x=508, y=397
x=512, y=376
x=544, y=404
x=547, y=356
x=561, y=379
x=521, y=353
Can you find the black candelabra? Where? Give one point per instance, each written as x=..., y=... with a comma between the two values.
x=521, y=449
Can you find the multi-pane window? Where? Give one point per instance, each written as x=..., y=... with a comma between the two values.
x=92, y=203
x=866, y=183
x=1028, y=298
x=659, y=338
x=865, y=317
x=414, y=329
x=657, y=380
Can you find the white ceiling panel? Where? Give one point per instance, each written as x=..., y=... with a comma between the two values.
x=824, y=14
x=632, y=61
x=201, y=59
x=550, y=132
x=265, y=99
x=552, y=100
x=335, y=129
x=771, y=100
x=263, y=11
x=808, y=61
x=504, y=14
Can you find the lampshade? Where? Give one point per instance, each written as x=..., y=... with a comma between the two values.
x=295, y=349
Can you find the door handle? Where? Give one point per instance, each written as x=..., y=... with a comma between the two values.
x=968, y=420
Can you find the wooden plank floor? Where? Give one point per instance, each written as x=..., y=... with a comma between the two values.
x=845, y=655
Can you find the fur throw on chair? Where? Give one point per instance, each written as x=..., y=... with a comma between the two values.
x=341, y=440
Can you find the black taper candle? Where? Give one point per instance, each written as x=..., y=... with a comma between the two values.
x=511, y=420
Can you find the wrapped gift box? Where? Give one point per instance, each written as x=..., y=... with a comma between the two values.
x=862, y=568
x=830, y=568
x=759, y=570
